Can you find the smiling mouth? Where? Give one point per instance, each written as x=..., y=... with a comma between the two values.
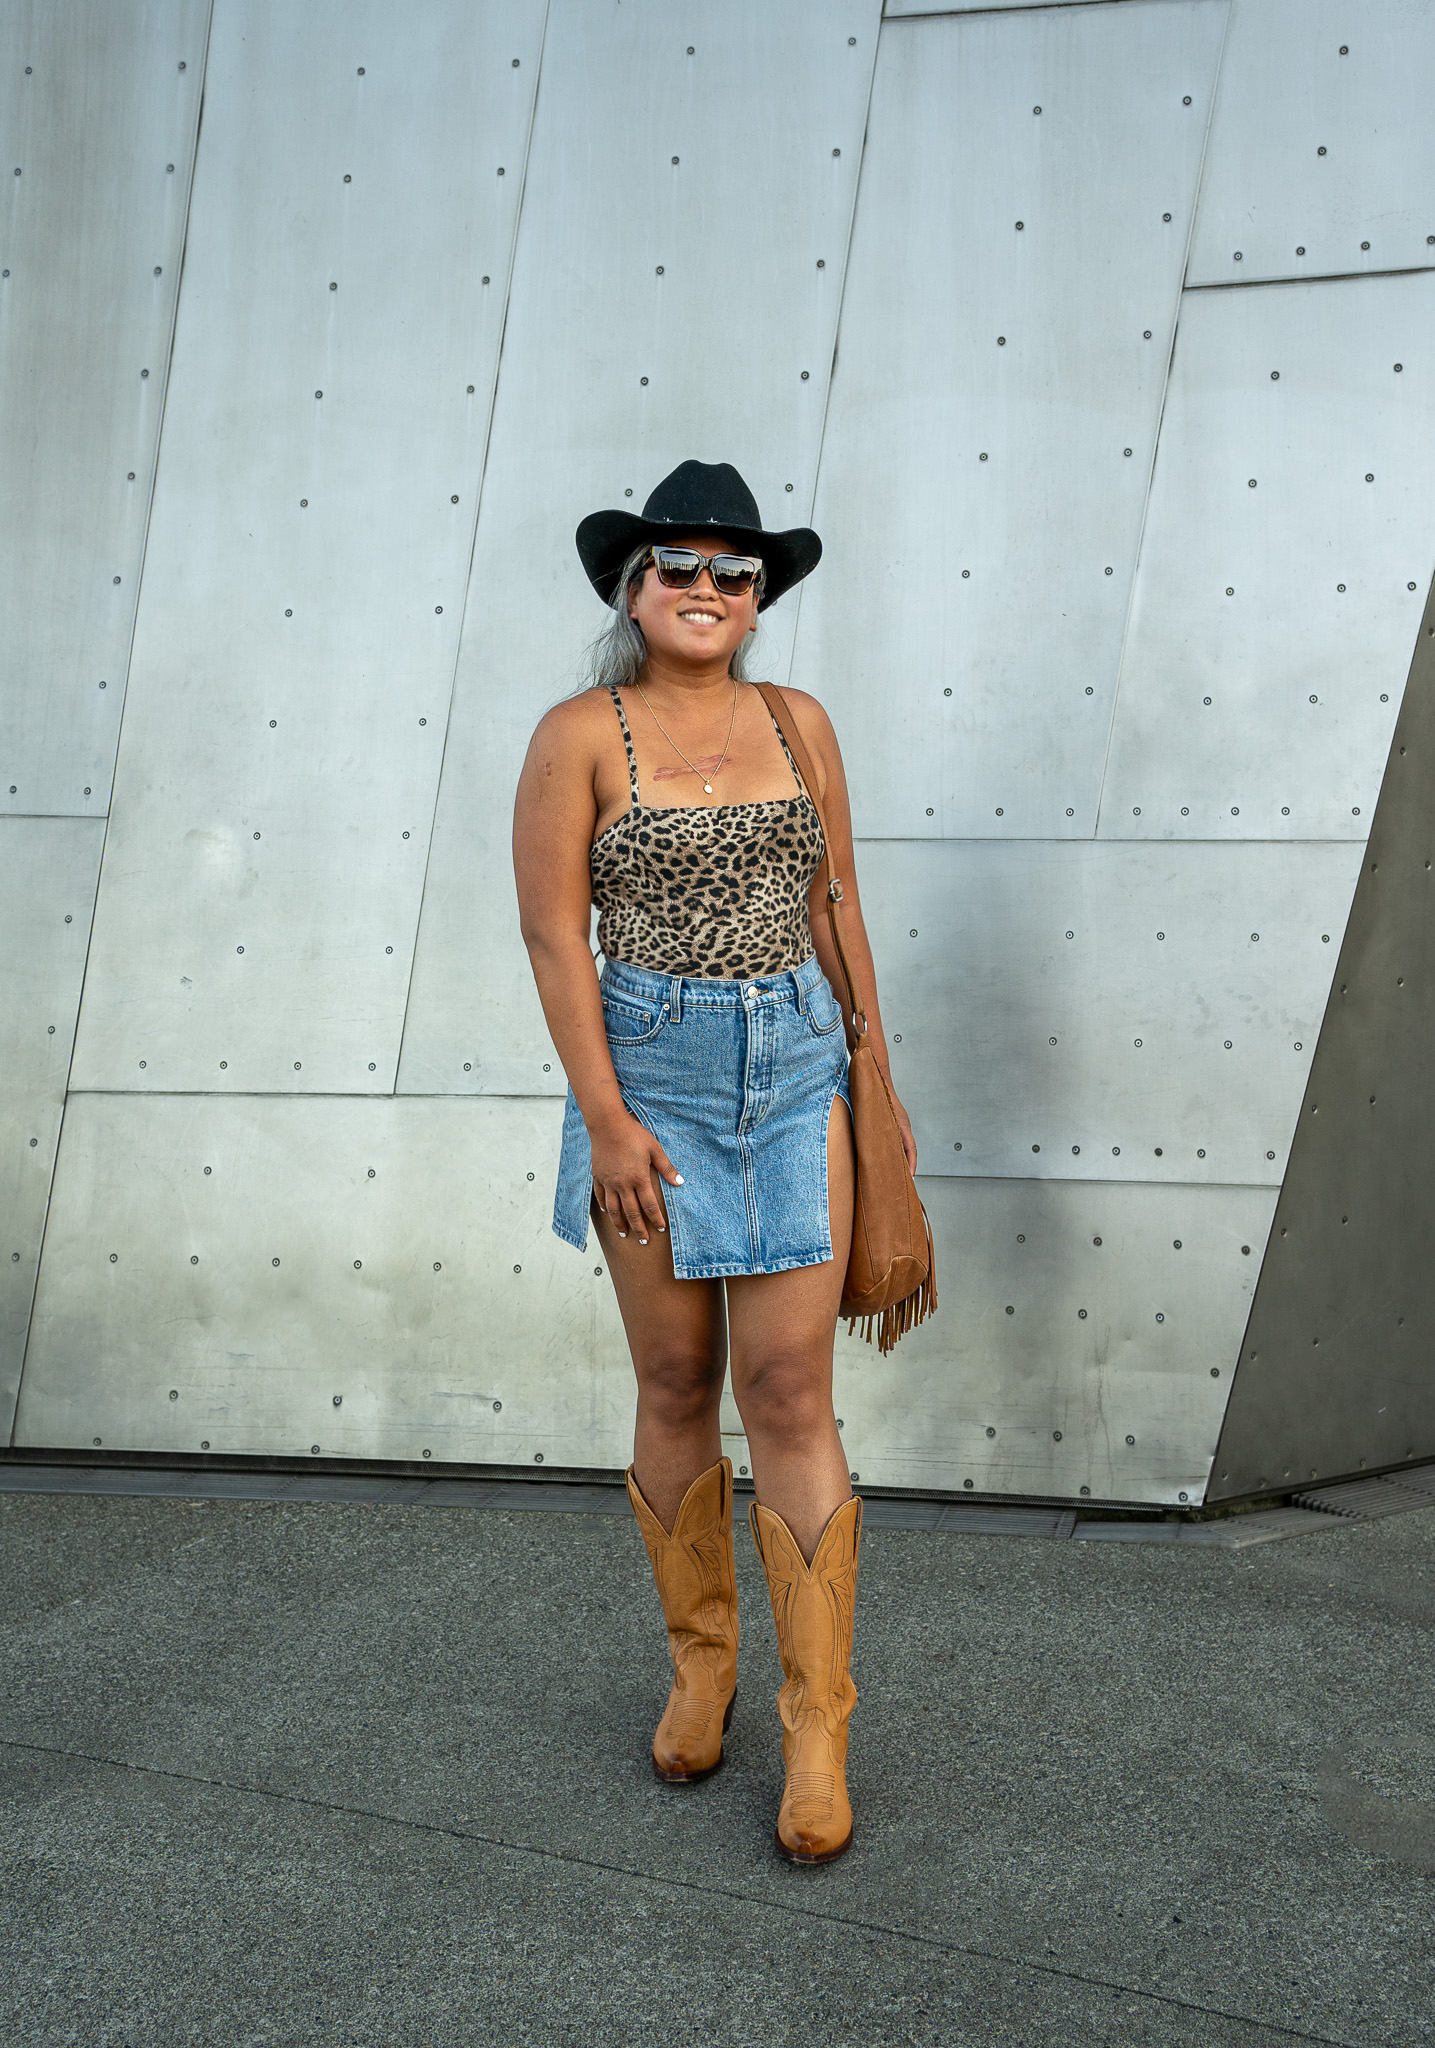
x=702, y=618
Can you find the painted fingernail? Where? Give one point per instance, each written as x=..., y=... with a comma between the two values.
x=662, y=1226
x=642, y=1240
x=678, y=1182
x=622, y=1233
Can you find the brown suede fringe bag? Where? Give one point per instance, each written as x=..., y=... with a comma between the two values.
x=891, y=1278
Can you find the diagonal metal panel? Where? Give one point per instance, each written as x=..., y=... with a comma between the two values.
x=1291, y=533
x=376, y=1278
x=98, y=107
x=1334, y=1372
x=48, y=868
x=1130, y=1012
x=1070, y=1321
x=351, y=229
x=654, y=315
x=1006, y=326
x=1322, y=154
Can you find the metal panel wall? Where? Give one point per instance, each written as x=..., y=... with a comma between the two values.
x=47, y=890
x=1322, y=154
x=336, y=346
x=675, y=294
x=1104, y=1012
x=98, y=108
x=1074, y=1319
x=360, y=1279
x=1005, y=334
x=301, y=549
x=1334, y=1372
x=1288, y=545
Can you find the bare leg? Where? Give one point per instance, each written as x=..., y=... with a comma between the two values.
x=782, y=1327
x=677, y=1333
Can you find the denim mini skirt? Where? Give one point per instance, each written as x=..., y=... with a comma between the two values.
x=736, y=1080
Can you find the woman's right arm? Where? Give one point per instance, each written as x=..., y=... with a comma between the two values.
x=554, y=815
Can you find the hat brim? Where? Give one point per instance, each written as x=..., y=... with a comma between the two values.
x=606, y=539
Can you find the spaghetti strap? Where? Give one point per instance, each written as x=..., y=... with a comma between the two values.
x=628, y=746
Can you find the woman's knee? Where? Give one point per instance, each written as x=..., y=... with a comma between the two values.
x=785, y=1392
x=678, y=1388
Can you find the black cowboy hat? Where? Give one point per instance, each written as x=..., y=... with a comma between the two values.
x=696, y=494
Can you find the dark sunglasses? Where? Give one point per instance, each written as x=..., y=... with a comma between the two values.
x=680, y=568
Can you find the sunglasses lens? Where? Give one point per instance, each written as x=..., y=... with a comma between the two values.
x=677, y=567
x=733, y=574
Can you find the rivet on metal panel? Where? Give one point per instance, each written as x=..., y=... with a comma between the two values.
x=501, y=171
x=1001, y=341
x=642, y=380
x=1075, y=1149
x=674, y=159
x=1021, y=1237
x=318, y=394
x=1126, y=451
x=1158, y=1151
x=1036, y=110
x=1056, y=1436
x=991, y=1432
x=348, y=180
x=361, y=71
x=1087, y=1490
x=805, y=375
x=114, y=1258
x=1160, y=1317
x=548, y=1066
x=981, y=458
x=957, y=1146
x=468, y=1066
x=1036, y=1148
x=1000, y=812
x=1011, y=1311
x=1130, y=1439
x=1399, y=366
x=174, y=1393
x=1136, y=810
x=1021, y=225
x=116, y=579
x=1146, y=334
x=1165, y=216
x=1321, y=150
x=143, y=1063
x=1081, y=1315
x=332, y=286
x=538, y=1457
x=169, y=167
x=968, y=1483
x=273, y=1262
x=1160, y=935
x=50, y=1029
x=372, y=1068
x=423, y=721
x=222, y=1065
x=837, y=152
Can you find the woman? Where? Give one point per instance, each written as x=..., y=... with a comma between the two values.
x=707, y=1128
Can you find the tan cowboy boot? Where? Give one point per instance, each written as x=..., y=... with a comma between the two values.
x=697, y=1584
x=812, y=1606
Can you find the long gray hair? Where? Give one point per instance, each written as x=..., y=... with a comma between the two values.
x=615, y=658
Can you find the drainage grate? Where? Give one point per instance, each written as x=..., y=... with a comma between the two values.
x=1369, y=1500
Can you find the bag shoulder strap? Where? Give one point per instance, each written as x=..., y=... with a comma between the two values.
x=786, y=723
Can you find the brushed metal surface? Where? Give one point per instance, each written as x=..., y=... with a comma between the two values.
x=1292, y=511
x=1322, y=153
x=1335, y=1366
x=166, y=1274
x=98, y=107
x=286, y=1276
x=1006, y=329
x=307, y=560
x=1060, y=1391
x=648, y=322
x=1099, y=1011
x=47, y=890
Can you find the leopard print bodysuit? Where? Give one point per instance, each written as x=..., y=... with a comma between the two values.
x=719, y=893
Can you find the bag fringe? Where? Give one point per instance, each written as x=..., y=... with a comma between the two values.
x=895, y=1321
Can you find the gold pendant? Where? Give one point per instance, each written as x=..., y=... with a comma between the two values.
x=708, y=787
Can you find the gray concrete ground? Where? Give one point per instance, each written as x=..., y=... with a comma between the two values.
x=340, y=1773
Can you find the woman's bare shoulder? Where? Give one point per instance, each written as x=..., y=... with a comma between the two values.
x=575, y=724
x=808, y=710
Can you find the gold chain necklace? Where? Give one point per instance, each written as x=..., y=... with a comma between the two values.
x=678, y=750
